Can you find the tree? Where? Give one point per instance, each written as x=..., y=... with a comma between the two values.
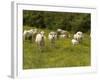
x=53, y=20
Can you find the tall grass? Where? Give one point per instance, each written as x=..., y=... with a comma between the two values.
x=63, y=54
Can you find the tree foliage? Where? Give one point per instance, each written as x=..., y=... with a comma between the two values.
x=54, y=20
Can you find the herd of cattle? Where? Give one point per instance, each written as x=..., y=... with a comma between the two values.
x=34, y=35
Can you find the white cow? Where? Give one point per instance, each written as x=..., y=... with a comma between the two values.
x=40, y=40
x=79, y=33
x=27, y=34
x=62, y=36
x=30, y=34
x=75, y=42
x=59, y=30
x=78, y=36
x=63, y=33
x=52, y=37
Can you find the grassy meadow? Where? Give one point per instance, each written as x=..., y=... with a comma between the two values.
x=63, y=54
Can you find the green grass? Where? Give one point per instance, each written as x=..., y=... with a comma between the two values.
x=62, y=55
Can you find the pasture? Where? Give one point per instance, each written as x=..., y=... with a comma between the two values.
x=63, y=54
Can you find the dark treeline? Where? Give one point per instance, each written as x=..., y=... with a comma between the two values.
x=54, y=20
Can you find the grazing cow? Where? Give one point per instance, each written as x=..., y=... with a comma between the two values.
x=75, y=42
x=27, y=34
x=30, y=34
x=62, y=33
x=62, y=36
x=35, y=31
x=59, y=32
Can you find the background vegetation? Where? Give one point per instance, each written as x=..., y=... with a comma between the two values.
x=53, y=20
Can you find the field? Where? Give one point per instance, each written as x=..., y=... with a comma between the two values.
x=64, y=54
